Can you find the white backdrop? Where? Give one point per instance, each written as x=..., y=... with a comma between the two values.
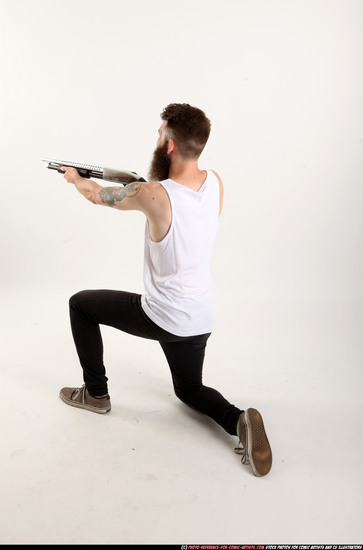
x=282, y=83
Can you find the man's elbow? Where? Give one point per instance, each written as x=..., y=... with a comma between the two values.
x=94, y=197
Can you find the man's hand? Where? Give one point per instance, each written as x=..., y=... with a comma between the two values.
x=88, y=188
x=71, y=174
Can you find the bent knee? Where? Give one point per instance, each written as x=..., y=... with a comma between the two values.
x=79, y=297
x=184, y=394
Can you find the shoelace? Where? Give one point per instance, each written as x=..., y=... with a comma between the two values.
x=76, y=392
x=242, y=451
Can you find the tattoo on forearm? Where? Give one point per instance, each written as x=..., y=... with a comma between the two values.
x=110, y=195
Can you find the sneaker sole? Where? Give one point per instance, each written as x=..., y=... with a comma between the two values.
x=258, y=447
x=83, y=405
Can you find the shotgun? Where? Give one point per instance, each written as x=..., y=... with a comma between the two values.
x=89, y=171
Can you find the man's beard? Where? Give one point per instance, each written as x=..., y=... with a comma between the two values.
x=160, y=164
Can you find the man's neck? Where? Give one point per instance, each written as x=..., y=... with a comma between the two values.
x=187, y=173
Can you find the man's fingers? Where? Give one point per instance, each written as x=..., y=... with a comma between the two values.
x=71, y=174
x=67, y=175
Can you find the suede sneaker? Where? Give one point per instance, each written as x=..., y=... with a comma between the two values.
x=81, y=398
x=256, y=449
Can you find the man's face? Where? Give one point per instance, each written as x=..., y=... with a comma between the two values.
x=160, y=164
x=163, y=134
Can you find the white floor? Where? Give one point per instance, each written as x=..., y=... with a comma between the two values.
x=153, y=471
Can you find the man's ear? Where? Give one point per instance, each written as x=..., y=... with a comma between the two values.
x=171, y=146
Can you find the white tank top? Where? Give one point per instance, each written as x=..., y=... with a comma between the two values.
x=178, y=287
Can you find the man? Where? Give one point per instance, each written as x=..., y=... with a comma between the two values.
x=181, y=204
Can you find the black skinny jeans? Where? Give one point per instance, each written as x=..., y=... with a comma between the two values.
x=185, y=355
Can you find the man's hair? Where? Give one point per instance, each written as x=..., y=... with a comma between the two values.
x=189, y=127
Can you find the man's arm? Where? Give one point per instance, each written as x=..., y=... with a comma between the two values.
x=149, y=198
x=113, y=196
x=116, y=197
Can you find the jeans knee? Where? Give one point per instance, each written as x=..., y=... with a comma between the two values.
x=184, y=393
x=179, y=394
x=77, y=298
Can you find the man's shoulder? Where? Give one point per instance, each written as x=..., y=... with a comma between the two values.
x=153, y=195
x=219, y=180
x=156, y=207
x=153, y=187
x=221, y=190
x=217, y=175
